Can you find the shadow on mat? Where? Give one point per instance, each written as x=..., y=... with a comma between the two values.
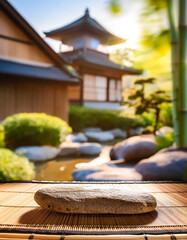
x=45, y=217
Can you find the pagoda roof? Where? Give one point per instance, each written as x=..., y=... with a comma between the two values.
x=97, y=59
x=85, y=24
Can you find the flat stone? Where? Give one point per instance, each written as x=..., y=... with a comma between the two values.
x=118, y=133
x=79, y=138
x=99, y=199
x=38, y=153
x=80, y=149
x=100, y=136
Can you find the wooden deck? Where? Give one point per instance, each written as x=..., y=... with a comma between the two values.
x=20, y=214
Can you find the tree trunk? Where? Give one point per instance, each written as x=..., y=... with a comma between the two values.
x=157, y=115
x=183, y=73
x=175, y=77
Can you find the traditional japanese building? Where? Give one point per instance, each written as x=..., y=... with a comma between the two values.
x=101, y=78
x=33, y=78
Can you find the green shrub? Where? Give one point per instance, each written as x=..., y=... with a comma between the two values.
x=147, y=130
x=1, y=136
x=14, y=167
x=166, y=118
x=81, y=117
x=25, y=129
x=164, y=141
x=149, y=118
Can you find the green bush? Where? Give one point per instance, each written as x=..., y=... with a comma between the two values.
x=148, y=130
x=81, y=117
x=149, y=118
x=166, y=118
x=164, y=141
x=14, y=167
x=25, y=129
x=1, y=136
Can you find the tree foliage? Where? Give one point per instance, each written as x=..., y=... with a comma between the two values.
x=143, y=103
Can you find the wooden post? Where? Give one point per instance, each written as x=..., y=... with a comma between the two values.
x=107, y=90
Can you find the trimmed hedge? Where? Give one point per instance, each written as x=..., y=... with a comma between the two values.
x=81, y=117
x=14, y=167
x=25, y=129
x=1, y=136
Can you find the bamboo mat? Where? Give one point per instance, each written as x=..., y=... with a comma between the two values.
x=20, y=214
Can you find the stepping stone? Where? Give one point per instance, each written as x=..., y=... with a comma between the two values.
x=94, y=200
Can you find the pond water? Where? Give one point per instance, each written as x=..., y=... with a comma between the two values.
x=59, y=169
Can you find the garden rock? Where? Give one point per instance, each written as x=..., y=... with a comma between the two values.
x=118, y=133
x=106, y=173
x=164, y=130
x=90, y=199
x=37, y=153
x=167, y=164
x=80, y=149
x=92, y=130
x=80, y=137
x=68, y=149
x=134, y=149
x=138, y=131
x=90, y=149
x=100, y=136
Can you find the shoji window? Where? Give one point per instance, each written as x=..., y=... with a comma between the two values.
x=94, y=88
x=114, y=90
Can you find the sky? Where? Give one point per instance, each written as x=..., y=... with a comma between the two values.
x=45, y=15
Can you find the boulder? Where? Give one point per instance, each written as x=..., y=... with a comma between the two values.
x=79, y=149
x=90, y=199
x=118, y=133
x=164, y=130
x=80, y=137
x=134, y=149
x=36, y=153
x=167, y=164
x=100, y=136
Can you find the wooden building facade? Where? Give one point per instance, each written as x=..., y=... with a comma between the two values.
x=101, y=78
x=33, y=78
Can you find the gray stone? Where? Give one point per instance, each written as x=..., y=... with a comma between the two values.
x=80, y=137
x=100, y=136
x=90, y=149
x=106, y=173
x=134, y=149
x=36, y=153
x=89, y=199
x=164, y=130
x=68, y=149
x=138, y=131
x=92, y=130
x=167, y=164
x=79, y=149
x=118, y=133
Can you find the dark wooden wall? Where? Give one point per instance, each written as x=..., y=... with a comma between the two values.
x=33, y=96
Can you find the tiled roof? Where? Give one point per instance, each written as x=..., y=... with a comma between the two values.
x=86, y=20
x=27, y=70
x=96, y=58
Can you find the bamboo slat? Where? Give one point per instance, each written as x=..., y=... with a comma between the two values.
x=20, y=213
x=15, y=236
